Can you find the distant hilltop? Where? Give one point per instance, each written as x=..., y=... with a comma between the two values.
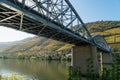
x=100, y=26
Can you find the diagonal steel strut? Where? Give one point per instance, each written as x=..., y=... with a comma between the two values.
x=9, y=17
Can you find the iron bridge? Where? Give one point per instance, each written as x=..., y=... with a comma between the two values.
x=55, y=19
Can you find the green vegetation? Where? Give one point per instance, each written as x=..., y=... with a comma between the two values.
x=66, y=46
x=35, y=48
x=26, y=56
x=100, y=26
x=108, y=73
x=116, y=47
x=107, y=32
x=13, y=76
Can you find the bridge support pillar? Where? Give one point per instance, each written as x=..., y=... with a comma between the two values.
x=80, y=54
x=106, y=58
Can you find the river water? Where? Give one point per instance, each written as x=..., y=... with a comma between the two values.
x=35, y=69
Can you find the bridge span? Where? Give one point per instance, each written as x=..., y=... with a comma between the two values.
x=55, y=19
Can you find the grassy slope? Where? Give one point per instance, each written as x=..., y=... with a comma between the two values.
x=36, y=46
x=107, y=32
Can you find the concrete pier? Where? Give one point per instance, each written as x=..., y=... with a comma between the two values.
x=81, y=53
x=106, y=58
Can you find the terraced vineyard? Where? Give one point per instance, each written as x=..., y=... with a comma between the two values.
x=112, y=37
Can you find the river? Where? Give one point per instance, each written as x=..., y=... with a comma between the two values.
x=35, y=69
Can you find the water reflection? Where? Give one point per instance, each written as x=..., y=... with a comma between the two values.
x=41, y=70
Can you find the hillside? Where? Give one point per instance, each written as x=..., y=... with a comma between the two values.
x=41, y=46
x=38, y=46
x=112, y=37
x=100, y=26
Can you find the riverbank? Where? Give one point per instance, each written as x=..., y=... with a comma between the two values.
x=35, y=57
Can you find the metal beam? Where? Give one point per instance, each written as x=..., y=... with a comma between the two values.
x=63, y=12
x=17, y=23
x=56, y=11
x=41, y=19
x=9, y=17
x=70, y=5
x=41, y=30
x=30, y=28
x=21, y=21
x=8, y=12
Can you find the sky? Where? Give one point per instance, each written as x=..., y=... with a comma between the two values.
x=89, y=11
x=8, y=34
x=97, y=10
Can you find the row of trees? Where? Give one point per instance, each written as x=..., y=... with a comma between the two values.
x=50, y=56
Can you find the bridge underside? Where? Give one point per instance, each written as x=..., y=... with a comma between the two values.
x=35, y=27
x=55, y=19
x=12, y=19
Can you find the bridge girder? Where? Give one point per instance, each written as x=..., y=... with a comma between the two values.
x=49, y=18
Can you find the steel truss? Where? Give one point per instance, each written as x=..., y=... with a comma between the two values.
x=59, y=11
x=47, y=13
